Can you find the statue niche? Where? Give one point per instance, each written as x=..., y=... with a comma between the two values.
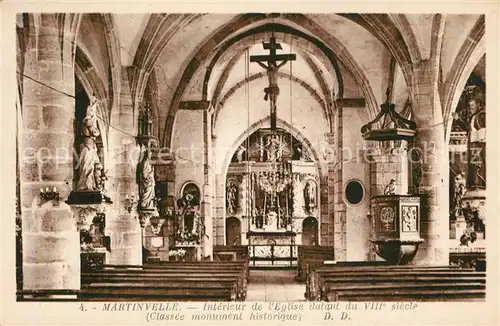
x=232, y=197
x=189, y=206
x=310, y=195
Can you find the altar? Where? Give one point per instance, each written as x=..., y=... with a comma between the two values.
x=272, y=192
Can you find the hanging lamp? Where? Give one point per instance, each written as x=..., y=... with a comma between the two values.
x=403, y=129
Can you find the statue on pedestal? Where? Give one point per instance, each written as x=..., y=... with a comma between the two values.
x=274, y=148
x=310, y=195
x=476, y=176
x=459, y=190
x=232, y=195
x=88, y=150
x=146, y=182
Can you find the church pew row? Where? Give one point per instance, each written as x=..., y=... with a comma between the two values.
x=469, y=295
x=159, y=291
x=318, y=278
x=211, y=265
x=308, y=254
x=414, y=282
x=312, y=257
x=341, y=267
x=185, y=280
x=315, y=263
x=188, y=280
x=188, y=268
x=169, y=281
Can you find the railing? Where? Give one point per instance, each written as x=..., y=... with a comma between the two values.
x=273, y=254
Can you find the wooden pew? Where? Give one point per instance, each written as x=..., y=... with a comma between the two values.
x=344, y=281
x=165, y=281
x=340, y=283
x=311, y=254
x=170, y=287
x=195, y=291
x=203, y=281
x=449, y=294
x=187, y=266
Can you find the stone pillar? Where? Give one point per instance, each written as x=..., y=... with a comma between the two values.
x=219, y=226
x=206, y=205
x=430, y=140
x=327, y=193
x=336, y=173
x=122, y=225
x=51, y=247
x=46, y=150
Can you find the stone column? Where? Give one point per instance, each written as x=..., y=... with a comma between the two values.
x=206, y=205
x=46, y=158
x=219, y=226
x=122, y=225
x=327, y=193
x=335, y=172
x=430, y=140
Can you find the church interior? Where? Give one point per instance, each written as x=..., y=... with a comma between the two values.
x=196, y=156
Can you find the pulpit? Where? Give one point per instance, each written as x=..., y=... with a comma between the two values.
x=396, y=227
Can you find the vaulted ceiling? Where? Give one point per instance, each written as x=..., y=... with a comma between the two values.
x=179, y=57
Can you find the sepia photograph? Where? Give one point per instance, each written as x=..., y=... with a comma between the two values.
x=299, y=160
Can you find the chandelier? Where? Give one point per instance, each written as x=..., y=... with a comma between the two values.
x=275, y=179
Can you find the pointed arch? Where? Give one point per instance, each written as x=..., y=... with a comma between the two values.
x=264, y=123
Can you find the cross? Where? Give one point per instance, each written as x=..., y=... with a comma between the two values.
x=272, y=68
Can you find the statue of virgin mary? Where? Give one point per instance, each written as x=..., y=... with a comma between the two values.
x=146, y=182
x=88, y=150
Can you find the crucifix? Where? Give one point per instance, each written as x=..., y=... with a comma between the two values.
x=272, y=67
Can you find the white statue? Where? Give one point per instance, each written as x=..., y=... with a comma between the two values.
x=88, y=150
x=390, y=189
x=310, y=194
x=146, y=182
x=459, y=190
x=232, y=193
x=274, y=149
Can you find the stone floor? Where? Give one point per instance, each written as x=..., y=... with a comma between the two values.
x=274, y=285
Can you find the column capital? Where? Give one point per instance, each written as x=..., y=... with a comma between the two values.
x=330, y=138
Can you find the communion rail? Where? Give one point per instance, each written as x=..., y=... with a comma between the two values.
x=278, y=255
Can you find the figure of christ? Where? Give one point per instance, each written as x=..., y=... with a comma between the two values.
x=272, y=91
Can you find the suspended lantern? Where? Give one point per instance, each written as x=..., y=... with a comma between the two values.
x=402, y=129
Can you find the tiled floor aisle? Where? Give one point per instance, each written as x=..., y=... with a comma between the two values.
x=274, y=285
